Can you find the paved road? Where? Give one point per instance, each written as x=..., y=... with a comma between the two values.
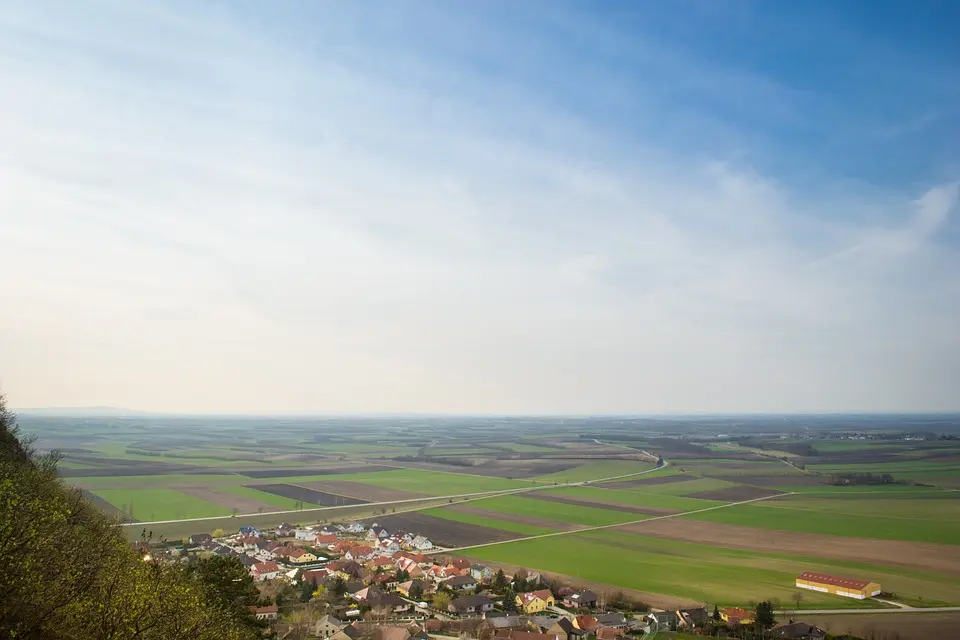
x=871, y=611
x=462, y=497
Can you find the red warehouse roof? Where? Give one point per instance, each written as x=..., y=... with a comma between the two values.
x=835, y=581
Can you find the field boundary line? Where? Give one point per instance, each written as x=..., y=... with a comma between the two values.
x=604, y=526
x=476, y=495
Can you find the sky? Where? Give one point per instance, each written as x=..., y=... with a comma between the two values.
x=480, y=207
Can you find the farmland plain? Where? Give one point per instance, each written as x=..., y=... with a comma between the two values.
x=415, y=472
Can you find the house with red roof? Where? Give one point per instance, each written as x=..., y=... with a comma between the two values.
x=265, y=571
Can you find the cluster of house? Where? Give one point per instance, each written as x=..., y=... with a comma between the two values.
x=387, y=572
x=286, y=550
x=699, y=619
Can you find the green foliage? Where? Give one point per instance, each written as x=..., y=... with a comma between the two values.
x=227, y=581
x=66, y=572
x=499, y=581
x=764, y=615
x=441, y=600
x=416, y=591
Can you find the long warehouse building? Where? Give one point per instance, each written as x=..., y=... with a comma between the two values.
x=847, y=587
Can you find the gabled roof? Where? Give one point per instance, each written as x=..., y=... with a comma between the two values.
x=586, y=623
x=459, y=581
x=541, y=594
x=736, y=612
x=470, y=601
x=266, y=567
x=835, y=581
x=796, y=630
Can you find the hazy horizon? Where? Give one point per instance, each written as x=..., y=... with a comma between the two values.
x=560, y=208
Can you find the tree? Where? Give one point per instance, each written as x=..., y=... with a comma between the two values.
x=520, y=581
x=499, y=581
x=402, y=575
x=441, y=600
x=716, y=613
x=228, y=582
x=764, y=615
x=338, y=587
x=217, y=533
x=306, y=591
x=416, y=591
x=798, y=598
x=67, y=571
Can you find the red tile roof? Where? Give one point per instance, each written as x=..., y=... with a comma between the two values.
x=266, y=567
x=835, y=581
x=737, y=613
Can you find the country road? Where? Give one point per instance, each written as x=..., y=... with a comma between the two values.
x=867, y=611
x=460, y=496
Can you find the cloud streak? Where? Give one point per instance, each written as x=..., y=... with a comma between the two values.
x=234, y=211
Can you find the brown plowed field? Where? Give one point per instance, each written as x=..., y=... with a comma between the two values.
x=510, y=517
x=296, y=492
x=629, y=484
x=916, y=555
x=623, y=508
x=735, y=494
x=890, y=626
x=228, y=500
x=361, y=491
x=446, y=533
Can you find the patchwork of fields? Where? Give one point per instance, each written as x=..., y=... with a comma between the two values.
x=675, y=534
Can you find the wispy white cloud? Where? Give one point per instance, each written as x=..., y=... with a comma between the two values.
x=204, y=211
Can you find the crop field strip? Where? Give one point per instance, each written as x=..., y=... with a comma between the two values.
x=308, y=496
x=700, y=572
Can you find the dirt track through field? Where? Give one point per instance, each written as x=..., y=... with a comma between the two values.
x=917, y=555
x=735, y=494
x=630, y=484
x=773, y=481
x=360, y=491
x=227, y=500
x=510, y=517
x=622, y=508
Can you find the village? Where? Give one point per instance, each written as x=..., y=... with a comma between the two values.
x=346, y=581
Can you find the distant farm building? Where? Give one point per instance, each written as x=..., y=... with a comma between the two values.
x=847, y=587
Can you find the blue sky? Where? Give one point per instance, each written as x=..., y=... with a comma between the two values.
x=553, y=207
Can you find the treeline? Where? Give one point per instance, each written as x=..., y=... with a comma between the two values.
x=862, y=479
x=68, y=572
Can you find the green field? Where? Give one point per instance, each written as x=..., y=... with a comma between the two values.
x=700, y=573
x=493, y=523
x=597, y=471
x=634, y=498
x=160, y=504
x=432, y=483
x=928, y=506
x=769, y=516
x=693, y=485
x=269, y=498
x=556, y=511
